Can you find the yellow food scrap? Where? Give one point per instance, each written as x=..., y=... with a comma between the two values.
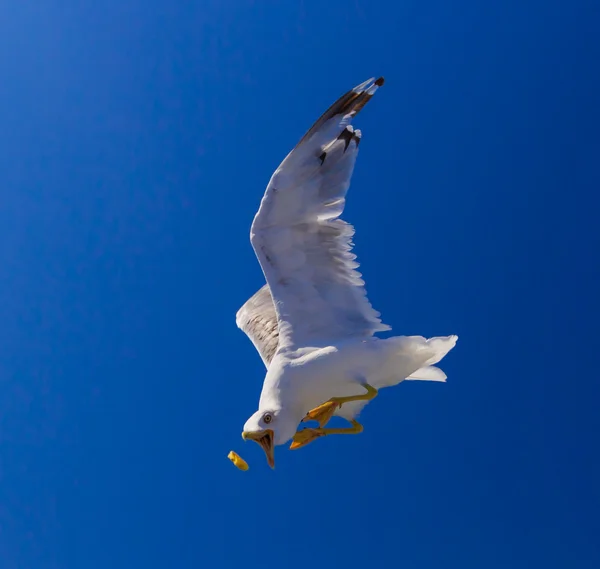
x=238, y=460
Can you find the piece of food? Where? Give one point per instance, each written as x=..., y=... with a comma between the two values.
x=238, y=460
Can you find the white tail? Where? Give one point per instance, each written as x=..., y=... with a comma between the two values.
x=428, y=373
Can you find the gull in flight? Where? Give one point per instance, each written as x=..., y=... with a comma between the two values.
x=312, y=323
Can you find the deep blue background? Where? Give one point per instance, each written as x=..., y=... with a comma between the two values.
x=136, y=139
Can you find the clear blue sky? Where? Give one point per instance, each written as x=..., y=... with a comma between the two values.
x=136, y=141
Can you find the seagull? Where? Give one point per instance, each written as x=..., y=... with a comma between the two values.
x=312, y=323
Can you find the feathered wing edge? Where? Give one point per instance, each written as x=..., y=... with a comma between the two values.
x=258, y=320
x=350, y=103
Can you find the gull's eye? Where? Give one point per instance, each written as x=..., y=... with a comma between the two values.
x=267, y=418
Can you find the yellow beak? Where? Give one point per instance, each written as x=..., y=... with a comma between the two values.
x=265, y=440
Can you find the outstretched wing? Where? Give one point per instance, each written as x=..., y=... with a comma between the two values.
x=258, y=320
x=303, y=247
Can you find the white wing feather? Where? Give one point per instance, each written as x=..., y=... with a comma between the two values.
x=303, y=247
x=258, y=320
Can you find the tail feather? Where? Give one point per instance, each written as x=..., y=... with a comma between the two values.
x=428, y=373
x=440, y=346
x=402, y=354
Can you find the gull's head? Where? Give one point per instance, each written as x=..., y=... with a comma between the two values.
x=269, y=428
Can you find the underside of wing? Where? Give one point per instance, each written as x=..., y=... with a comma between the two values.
x=302, y=245
x=258, y=320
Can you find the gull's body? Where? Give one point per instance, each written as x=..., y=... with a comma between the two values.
x=312, y=323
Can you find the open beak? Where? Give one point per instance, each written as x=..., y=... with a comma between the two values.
x=265, y=440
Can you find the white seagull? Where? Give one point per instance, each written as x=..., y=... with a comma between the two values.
x=312, y=323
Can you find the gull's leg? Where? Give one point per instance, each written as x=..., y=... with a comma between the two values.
x=324, y=412
x=305, y=436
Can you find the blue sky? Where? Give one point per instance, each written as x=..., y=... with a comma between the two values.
x=137, y=139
